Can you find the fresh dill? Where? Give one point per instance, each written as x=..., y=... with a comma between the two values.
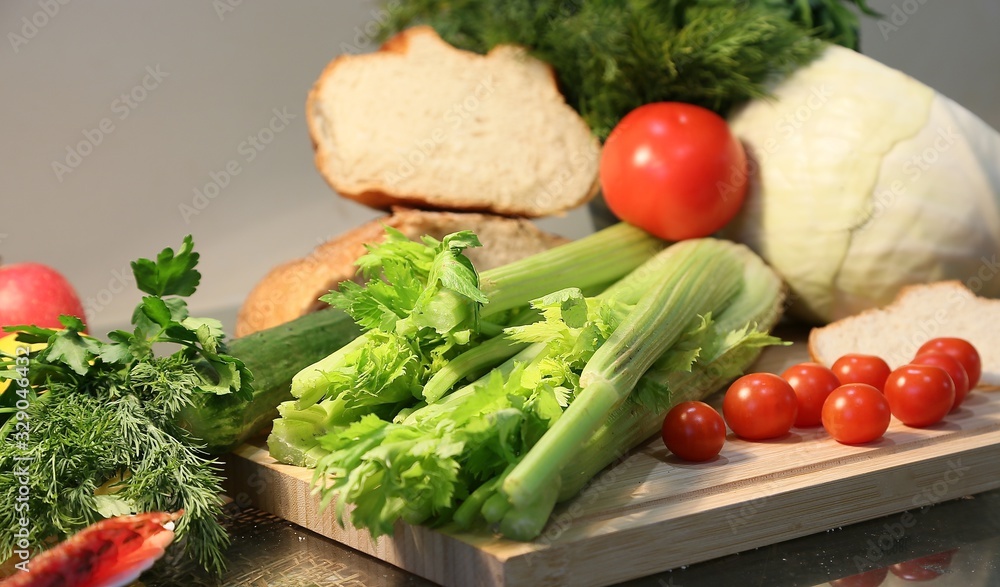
x=611, y=56
x=95, y=432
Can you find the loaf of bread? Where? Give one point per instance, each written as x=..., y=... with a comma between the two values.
x=421, y=124
x=918, y=314
x=294, y=288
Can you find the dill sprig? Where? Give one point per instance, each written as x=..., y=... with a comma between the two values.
x=91, y=431
x=611, y=56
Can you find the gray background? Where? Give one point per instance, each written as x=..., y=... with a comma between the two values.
x=224, y=69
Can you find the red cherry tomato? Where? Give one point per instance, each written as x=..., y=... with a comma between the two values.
x=694, y=431
x=954, y=369
x=872, y=578
x=856, y=413
x=855, y=368
x=924, y=568
x=919, y=395
x=962, y=350
x=760, y=406
x=674, y=170
x=812, y=384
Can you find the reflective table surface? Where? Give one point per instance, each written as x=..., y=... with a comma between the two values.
x=950, y=543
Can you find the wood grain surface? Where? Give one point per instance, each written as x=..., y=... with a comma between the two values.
x=652, y=512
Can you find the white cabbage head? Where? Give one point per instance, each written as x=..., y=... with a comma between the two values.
x=864, y=180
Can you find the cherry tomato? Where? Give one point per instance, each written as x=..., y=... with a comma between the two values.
x=872, y=578
x=868, y=369
x=674, y=170
x=856, y=413
x=954, y=369
x=760, y=406
x=694, y=431
x=962, y=350
x=812, y=383
x=924, y=568
x=919, y=395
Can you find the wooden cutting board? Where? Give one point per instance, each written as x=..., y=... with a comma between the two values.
x=652, y=512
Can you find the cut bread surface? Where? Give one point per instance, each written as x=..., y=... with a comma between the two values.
x=919, y=313
x=293, y=289
x=422, y=124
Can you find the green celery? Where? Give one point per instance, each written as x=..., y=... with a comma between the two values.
x=431, y=330
x=451, y=459
x=595, y=260
x=598, y=259
x=703, y=276
x=731, y=343
x=737, y=336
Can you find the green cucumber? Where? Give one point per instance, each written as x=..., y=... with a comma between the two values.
x=223, y=422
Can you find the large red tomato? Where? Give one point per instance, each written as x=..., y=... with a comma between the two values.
x=674, y=170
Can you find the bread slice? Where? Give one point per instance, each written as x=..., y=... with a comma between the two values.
x=293, y=289
x=918, y=314
x=422, y=124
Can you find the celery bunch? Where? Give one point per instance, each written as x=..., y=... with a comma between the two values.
x=591, y=378
x=425, y=310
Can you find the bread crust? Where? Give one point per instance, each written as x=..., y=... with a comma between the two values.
x=817, y=332
x=293, y=289
x=946, y=287
x=375, y=194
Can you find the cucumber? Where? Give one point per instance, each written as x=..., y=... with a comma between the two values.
x=223, y=422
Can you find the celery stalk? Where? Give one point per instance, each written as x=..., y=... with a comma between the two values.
x=595, y=260
x=754, y=311
x=310, y=384
x=741, y=330
x=484, y=356
x=701, y=278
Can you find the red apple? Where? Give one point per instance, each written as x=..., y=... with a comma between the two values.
x=32, y=293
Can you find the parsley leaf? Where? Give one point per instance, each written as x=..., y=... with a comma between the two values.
x=71, y=349
x=170, y=274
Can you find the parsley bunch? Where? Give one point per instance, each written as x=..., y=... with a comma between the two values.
x=98, y=437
